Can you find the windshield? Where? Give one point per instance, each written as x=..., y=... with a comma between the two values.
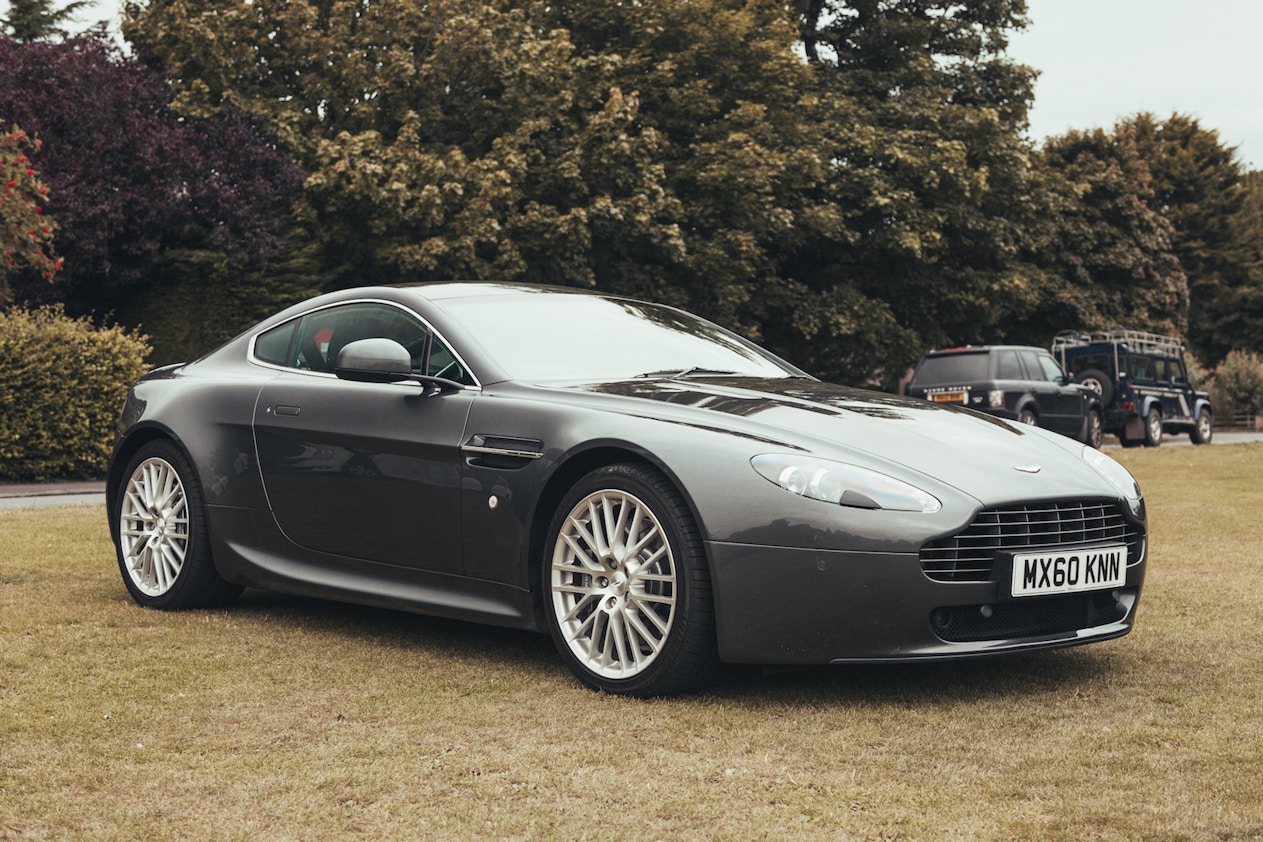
x=951, y=370
x=559, y=336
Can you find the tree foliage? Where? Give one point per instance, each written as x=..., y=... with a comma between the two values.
x=846, y=210
x=1110, y=253
x=1200, y=187
x=129, y=181
x=935, y=200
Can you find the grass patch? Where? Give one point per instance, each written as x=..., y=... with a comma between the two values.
x=286, y=718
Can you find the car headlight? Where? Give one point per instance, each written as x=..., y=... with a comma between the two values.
x=1116, y=475
x=845, y=485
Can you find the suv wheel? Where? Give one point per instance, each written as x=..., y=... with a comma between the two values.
x=1027, y=417
x=1202, y=433
x=1099, y=382
x=1093, y=432
x=1153, y=428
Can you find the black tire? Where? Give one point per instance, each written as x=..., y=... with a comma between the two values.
x=617, y=632
x=1204, y=430
x=1153, y=427
x=1093, y=430
x=1099, y=382
x=162, y=543
x=1027, y=416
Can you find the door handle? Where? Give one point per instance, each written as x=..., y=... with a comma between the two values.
x=283, y=409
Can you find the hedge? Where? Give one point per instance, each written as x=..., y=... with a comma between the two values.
x=62, y=385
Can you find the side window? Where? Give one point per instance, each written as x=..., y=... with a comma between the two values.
x=443, y=363
x=1142, y=369
x=1031, y=361
x=1178, y=374
x=1007, y=366
x=1089, y=362
x=1051, y=370
x=321, y=335
x=312, y=342
x=273, y=346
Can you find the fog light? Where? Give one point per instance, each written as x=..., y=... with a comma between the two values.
x=986, y=612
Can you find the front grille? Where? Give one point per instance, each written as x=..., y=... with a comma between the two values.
x=1028, y=618
x=968, y=555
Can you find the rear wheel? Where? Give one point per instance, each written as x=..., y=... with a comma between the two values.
x=627, y=593
x=162, y=545
x=1026, y=416
x=1202, y=433
x=1153, y=428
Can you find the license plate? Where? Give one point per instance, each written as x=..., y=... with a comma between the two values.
x=948, y=397
x=1068, y=571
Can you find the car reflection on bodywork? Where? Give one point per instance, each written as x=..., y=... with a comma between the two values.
x=657, y=494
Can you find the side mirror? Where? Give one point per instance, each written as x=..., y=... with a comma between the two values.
x=385, y=361
x=373, y=361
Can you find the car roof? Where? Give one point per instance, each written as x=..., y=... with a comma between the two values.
x=979, y=349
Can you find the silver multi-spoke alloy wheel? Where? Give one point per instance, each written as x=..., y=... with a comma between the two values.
x=154, y=526
x=613, y=584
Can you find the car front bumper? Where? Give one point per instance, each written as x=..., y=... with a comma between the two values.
x=783, y=605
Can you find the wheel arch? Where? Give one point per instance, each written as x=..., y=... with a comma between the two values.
x=136, y=438
x=574, y=467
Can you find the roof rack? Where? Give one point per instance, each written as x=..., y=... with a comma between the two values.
x=1136, y=340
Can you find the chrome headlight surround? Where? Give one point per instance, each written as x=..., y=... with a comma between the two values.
x=842, y=484
x=1117, y=476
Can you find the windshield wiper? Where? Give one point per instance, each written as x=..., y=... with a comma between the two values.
x=685, y=372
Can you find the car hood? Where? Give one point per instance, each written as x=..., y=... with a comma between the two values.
x=979, y=455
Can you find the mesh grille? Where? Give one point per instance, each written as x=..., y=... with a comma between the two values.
x=968, y=555
x=1028, y=618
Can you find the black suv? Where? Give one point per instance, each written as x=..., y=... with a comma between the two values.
x=1016, y=382
x=1142, y=381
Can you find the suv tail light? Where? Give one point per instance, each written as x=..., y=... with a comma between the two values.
x=995, y=398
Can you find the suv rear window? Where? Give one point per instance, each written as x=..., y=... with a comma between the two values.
x=951, y=369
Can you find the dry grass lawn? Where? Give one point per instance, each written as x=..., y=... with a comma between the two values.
x=287, y=718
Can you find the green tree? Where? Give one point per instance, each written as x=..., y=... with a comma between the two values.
x=650, y=150
x=847, y=210
x=36, y=20
x=1110, y=257
x=1199, y=186
x=935, y=204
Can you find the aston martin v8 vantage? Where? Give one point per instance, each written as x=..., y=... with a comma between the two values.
x=656, y=493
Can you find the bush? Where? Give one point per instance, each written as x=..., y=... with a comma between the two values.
x=1239, y=378
x=62, y=384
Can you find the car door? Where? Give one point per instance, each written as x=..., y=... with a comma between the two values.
x=368, y=471
x=1176, y=405
x=1044, y=391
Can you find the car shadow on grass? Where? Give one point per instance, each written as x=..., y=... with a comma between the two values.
x=920, y=684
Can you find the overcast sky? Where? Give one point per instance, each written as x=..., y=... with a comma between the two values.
x=1104, y=59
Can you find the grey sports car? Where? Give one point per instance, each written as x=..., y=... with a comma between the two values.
x=656, y=493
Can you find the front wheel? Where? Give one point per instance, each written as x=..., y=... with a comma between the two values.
x=627, y=594
x=1202, y=433
x=1093, y=432
x=162, y=544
